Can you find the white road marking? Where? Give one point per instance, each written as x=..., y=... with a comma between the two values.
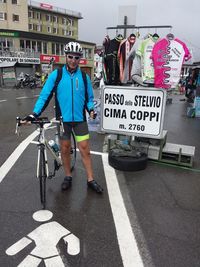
x=26, y=97
x=126, y=239
x=22, y=97
x=42, y=215
x=3, y=100
x=21, y=244
x=7, y=165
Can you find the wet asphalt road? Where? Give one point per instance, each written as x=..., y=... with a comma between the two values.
x=162, y=201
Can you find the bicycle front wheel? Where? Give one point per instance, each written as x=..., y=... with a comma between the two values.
x=73, y=151
x=42, y=177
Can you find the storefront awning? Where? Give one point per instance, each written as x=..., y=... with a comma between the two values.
x=7, y=64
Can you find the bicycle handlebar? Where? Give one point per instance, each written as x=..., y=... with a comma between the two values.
x=39, y=121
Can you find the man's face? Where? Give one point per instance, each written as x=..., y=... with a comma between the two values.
x=72, y=60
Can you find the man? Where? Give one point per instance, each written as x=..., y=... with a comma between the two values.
x=73, y=100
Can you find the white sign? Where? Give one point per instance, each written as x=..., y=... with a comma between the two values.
x=133, y=110
x=24, y=60
x=27, y=60
x=8, y=59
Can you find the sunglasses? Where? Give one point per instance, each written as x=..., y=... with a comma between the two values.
x=73, y=57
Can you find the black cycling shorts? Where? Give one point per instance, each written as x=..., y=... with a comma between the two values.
x=80, y=130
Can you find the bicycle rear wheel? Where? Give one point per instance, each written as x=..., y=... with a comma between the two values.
x=42, y=177
x=73, y=151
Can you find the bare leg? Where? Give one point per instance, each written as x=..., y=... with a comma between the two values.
x=86, y=158
x=65, y=155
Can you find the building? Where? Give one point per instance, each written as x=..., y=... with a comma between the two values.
x=31, y=33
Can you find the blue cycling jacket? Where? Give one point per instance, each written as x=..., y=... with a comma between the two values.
x=71, y=95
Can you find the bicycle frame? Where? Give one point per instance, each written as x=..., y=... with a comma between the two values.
x=42, y=162
x=43, y=144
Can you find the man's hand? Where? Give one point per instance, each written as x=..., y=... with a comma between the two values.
x=93, y=114
x=29, y=118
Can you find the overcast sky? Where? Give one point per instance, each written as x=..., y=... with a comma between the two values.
x=183, y=15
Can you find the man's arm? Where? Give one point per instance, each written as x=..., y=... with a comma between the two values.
x=90, y=103
x=45, y=95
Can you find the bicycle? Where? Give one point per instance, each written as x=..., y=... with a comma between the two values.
x=43, y=172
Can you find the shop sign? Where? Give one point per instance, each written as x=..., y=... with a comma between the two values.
x=133, y=111
x=9, y=34
x=46, y=6
x=8, y=59
x=21, y=60
x=47, y=58
x=83, y=61
x=28, y=60
x=9, y=74
x=46, y=68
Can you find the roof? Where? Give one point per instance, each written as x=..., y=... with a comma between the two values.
x=51, y=8
x=5, y=64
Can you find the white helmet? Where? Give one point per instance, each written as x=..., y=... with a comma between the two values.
x=73, y=47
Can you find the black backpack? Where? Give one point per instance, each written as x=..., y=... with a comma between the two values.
x=54, y=91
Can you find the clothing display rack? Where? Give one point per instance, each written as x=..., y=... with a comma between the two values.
x=157, y=149
x=126, y=27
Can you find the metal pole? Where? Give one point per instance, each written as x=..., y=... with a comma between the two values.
x=125, y=24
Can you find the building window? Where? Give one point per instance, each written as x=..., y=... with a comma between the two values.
x=14, y=2
x=44, y=48
x=69, y=22
x=64, y=32
x=38, y=28
x=30, y=26
x=48, y=17
x=62, y=49
x=55, y=30
x=48, y=29
x=38, y=15
x=34, y=47
x=53, y=49
x=5, y=43
x=28, y=45
x=3, y=16
x=15, y=17
x=39, y=47
x=55, y=19
x=2, y=1
x=87, y=53
x=64, y=21
x=30, y=14
x=22, y=45
x=57, y=49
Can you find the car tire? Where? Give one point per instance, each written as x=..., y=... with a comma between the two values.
x=127, y=163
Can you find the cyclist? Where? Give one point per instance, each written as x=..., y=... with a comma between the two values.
x=73, y=99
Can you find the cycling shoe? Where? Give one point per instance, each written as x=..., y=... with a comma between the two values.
x=95, y=186
x=66, y=183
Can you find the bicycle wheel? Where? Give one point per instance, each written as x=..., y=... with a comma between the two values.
x=42, y=177
x=73, y=151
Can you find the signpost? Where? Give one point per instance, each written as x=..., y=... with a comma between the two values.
x=135, y=111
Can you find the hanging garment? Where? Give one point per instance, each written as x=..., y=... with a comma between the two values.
x=126, y=58
x=144, y=51
x=106, y=43
x=111, y=61
x=168, y=56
